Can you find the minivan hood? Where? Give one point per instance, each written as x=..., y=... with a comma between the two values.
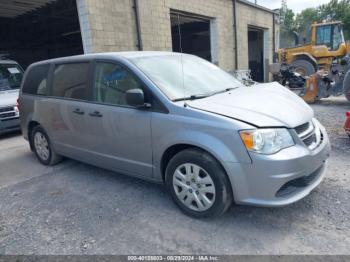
x=262, y=105
x=8, y=98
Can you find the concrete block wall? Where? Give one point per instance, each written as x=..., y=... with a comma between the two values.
x=156, y=26
x=248, y=16
x=110, y=25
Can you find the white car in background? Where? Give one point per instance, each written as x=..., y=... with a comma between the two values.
x=10, y=81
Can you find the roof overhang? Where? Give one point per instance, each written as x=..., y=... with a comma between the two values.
x=14, y=8
x=245, y=2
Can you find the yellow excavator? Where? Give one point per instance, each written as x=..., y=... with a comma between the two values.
x=326, y=43
x=322, y=60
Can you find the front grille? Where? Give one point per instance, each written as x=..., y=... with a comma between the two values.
x=295, y=184
x=311, y=139
x=302, y=128
x=7, y=113
x=6, y=109
x=310, y=134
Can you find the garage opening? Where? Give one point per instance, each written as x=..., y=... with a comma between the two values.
x=34, y=30
x=191, y=35
x=256, y=53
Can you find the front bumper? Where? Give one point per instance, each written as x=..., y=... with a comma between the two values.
x=9, y=125
x=282, y=178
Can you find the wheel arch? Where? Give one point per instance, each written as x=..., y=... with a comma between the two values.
x=31, y=125
x=225, y=192
x=171, y=151
x=220, y=148
x=307, y=57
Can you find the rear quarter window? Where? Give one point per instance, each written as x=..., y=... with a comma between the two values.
x=71, y=81
x=36, y=81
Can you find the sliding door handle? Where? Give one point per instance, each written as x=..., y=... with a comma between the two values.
x=96, y=114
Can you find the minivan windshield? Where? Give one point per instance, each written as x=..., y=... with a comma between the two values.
x=183, y=77
x=10, y=77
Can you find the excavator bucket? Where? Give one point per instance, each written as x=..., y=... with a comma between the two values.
x=310, y=93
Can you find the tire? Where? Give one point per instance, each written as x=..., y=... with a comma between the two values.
x=304, y=67
x=42, y=147
x=207, y=194
x=346, y=85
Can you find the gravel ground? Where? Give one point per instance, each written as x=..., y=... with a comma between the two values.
x=75, y=208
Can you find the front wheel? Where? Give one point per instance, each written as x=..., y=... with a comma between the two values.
x=303, y=67
x=42, y=147
x=198, y=184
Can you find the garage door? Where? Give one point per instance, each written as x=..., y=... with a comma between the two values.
x=191, y=35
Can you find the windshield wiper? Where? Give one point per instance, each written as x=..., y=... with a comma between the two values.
x=223, y=91
x=192, y=97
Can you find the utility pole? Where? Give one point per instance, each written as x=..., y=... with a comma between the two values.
x=284, y=4
x=283, y=10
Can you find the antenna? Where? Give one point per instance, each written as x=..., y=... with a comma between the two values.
x=179, y=28
x=181, y=58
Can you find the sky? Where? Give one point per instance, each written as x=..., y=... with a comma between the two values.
x=296, y=5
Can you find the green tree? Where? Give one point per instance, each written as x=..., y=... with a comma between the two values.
x=337, y=11
x=287, y=17
x=304, y=20
x=289, y=21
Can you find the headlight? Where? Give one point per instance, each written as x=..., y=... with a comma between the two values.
x=16, y=110
x=266, y=141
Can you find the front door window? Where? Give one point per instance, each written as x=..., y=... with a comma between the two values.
x=111, y=82
x=324, y=35
x=338, y=37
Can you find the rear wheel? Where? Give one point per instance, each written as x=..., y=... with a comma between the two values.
x=198, y=184
x=42, y=147
x=304, y=68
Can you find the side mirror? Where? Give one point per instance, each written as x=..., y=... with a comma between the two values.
x=135, y=97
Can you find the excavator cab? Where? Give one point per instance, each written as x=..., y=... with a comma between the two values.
x=330, y=35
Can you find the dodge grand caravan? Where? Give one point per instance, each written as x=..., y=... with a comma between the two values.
x=178, y=120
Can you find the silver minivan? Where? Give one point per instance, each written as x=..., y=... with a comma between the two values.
x=179, y=120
